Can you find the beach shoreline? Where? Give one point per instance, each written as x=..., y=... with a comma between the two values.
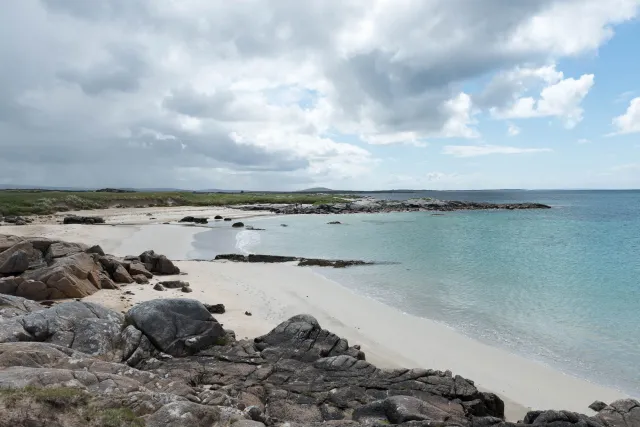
x=273, y=293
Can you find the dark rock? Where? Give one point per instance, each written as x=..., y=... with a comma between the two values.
x=598, y=406
x=401, y=409
x=16, y=263
x=218, y=217
x=174, y=284
x=64, y=249
x=140, y=279
x=623, y=413
x=283, y=225
x=158, y=287
x=334, y=223
x=270, y=258
x=137, y=268
x=228, y=219
x=96, y=249
x=231, y=257
x=121, y=275
x=311, y=262
x=251, y=228
x=238, y=225
x=73, y=219
x=186, y=289
x=215, y=308
x=178, y=327
x=248, y=313
x=194, y=220
x=158, y=264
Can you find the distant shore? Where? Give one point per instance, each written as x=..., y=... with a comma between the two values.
x=274, y=292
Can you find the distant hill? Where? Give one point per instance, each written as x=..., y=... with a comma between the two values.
x=316, y=190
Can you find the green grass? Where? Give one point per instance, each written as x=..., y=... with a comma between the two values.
x=36, y=202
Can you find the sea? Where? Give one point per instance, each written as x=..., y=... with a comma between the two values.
x=560, y=286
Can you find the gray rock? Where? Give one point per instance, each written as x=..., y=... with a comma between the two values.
x=178, y=327
x=7, y=241
x=215, y=308
x=174, y=284
x=137, y=268
x=95, y=249
x=401, y=409
x=158, y=287
x=34, y=290
x=140, y=279
x=181, y=414
x=63, y=249
x=17, y=263
x=158, y=264
x=11, y=306
x=34, y=256
x=623, y=413
x=186, y=289
x=120, y=275
x=598, y=406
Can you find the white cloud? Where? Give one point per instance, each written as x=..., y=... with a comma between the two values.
x=485, y=150
x=583, y=141
x=210, y=92
x=513, y=130
x=562, y=99
x=629, y=122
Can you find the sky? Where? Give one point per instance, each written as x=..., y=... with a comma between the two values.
x=345, y=94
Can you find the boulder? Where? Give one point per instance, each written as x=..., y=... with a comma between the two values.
x=218, y=217
x=74, y=219
x=194, y=220
x=35, y=290
x=140, y=279
x=158, y=287
x=11, y=306
x=120, y=275
x=215, y=308
x=95, y=249
x=137, y=268
x=186, y=289
x=402, y=409
x=178, y=327
x=238, y=225
x=158, y=264
x=624, y=413
x=228, y=219
x=33, y=257
x=598, y=406
x=174, y=284
x=71, y=276
x=63, y=249
x=82, y=326
x=7, y=241
x=17, y=263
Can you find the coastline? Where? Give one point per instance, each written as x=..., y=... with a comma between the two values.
x=273, y=293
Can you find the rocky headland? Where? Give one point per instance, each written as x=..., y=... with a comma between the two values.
x=370, y=205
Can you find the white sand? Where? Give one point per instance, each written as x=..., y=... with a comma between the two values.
x=389, y=337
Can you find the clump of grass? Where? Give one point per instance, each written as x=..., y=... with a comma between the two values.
x=29, y=406
x=120, y=417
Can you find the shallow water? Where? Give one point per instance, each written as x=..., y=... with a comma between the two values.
x=561, y=286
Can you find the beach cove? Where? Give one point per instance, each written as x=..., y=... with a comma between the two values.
x=273, y=293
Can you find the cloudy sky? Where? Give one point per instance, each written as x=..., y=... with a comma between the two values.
x=349, y=94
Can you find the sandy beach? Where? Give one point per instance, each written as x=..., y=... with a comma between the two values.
x=274, y=292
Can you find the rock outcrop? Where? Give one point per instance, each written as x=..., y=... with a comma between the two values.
x=44, y=269
x=194, y=220
x=74, y=219
x=370, y=205
x=170, y=363
x=302, y=262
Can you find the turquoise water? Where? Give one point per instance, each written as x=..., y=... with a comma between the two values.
x=561, y=286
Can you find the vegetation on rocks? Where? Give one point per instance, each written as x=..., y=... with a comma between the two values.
x=41, y=202
x=61, y=406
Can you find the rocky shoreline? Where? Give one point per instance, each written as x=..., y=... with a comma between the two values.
x=369, y=205
x=169, y=362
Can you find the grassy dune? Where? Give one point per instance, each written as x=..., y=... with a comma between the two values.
x=39, y=202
